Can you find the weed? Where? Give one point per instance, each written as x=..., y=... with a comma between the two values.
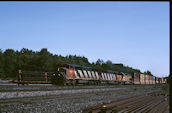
x=134, y=89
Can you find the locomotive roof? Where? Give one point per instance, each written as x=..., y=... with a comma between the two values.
x=90, y=68
x=78, y=66
x=74, y=65
x=122, y=73
x=129, y=74
x=110, y=71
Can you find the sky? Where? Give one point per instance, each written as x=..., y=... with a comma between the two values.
x=133, y=33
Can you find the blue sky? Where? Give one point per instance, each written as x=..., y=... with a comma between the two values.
x=133, y=33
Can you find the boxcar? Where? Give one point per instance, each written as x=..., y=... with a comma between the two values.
x=147, y=79
x=153, y=80
x=150, y=79
x=136, y=78
x=142, y=78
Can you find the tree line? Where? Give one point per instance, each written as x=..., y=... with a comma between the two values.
x=11, y=61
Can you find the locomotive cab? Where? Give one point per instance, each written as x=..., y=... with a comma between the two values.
x=65, y=74
x=59, y=77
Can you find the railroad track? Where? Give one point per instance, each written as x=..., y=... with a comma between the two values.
x=156, y=102
x=54, y=87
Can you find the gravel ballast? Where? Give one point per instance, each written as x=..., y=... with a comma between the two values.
x=72, y=100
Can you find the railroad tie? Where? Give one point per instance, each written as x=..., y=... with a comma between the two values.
x=155, y=102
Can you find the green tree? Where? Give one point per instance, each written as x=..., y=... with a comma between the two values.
x=99, y=62
x=1, y=64
x=10, y=61
x=148, y=72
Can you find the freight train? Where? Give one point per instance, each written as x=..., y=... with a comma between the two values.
x=70, y=74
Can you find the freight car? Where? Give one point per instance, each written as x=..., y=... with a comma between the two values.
x=142, y=79
x=34, y=77
x=71, y=74
x=136, y=79
x=147, y=79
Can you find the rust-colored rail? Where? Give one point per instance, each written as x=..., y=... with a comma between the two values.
x=156, y=102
